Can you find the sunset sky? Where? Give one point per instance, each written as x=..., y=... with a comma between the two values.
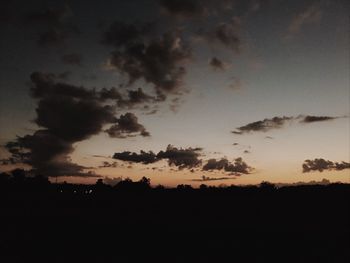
x=215, y=92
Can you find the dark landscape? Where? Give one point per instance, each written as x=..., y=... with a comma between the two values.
x=133, y=222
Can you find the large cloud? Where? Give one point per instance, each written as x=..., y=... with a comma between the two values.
x=237, y=167
x=182, y=158
x=66, y=114
x=138, y=53
x=321, y=165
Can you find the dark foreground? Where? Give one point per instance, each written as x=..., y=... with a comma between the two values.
x=64, y=223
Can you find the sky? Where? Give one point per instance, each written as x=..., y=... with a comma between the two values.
x=182, y=92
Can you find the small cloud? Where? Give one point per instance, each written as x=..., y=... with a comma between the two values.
x=311, y=15
x=322, y=165
x=309, y=118
x=236, y=84
x=208, y=179
x=237, y=167
x=217, y=64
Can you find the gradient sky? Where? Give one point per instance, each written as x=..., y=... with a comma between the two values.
x=244, y=61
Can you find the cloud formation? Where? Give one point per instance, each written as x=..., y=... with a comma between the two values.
x=310, y=118
x=237, y=167
x=143, y=157
x=279, y=122
x=311, y=15
x=226, y=34
x=321, y=165
x=208, y=179
x=138, y=53
x=217, y=64
x=264, y=125
x=127, y=125
x=182, y=158
x=66, y=114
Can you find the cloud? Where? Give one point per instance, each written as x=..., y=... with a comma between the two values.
x=322, y=165
x=311, y=15
x=127, y=126
x=236, y=84
x=53, y=24
x=279, y=122
x=182, y=8
x=208, y=179
x=135, y=97
x=158, y=60
x=72, y=59
x=143, y=157
x=309, y=118
x=217, y=64
x=264, y=125
x=106, y=164
x=204, y=8
x=182, y=158
x=66, y=114
x=226, y=34
x=237, y=167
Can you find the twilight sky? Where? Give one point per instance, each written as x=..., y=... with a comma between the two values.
x=183, y=92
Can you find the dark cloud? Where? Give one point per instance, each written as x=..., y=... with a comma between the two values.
x=264, y=125
x=72, y=59
x=158, y=60
x=182, y=8
x=66, y=114
x=322, y=165
x=205, y=8
x=279, y=122
x=53, y=25
x=309, y=118
x=182, y=158
x=106, y=164
x=136, y=97
x=237, y=167
x=208, y=179
x=127, y=125
x=217, y=64
x=226, y=34
x=142, y=157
